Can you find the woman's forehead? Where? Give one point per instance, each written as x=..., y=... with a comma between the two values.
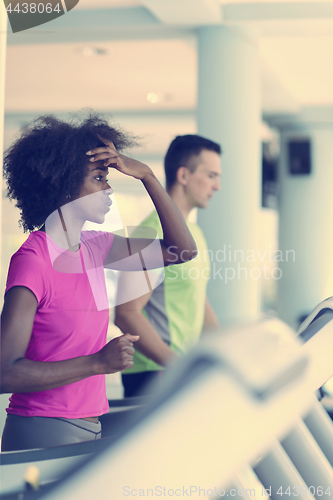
x=97, y=165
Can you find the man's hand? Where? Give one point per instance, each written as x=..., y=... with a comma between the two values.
x=112, y=158
x=117, y=355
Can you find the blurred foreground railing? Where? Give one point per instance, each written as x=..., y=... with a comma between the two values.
x=243, y=399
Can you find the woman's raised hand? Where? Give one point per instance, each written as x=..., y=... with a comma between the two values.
x=113, y=159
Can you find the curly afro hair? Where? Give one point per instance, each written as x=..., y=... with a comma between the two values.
x=49, y=162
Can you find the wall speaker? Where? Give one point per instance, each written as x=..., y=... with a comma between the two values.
x=299, y=156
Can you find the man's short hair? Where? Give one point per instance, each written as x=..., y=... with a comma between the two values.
x=180, y=151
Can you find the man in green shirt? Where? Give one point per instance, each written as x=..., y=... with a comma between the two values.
x=170, y=318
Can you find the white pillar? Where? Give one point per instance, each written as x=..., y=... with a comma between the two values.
x=306, y=221
x=229, y=112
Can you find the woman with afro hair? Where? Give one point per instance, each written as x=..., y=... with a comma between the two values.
x=54, y=354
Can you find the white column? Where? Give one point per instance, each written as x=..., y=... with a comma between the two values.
x=229, y=113
x=306, y=221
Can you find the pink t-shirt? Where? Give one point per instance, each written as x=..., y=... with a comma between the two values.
x=71, y=319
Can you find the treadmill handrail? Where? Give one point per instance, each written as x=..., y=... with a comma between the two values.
x=325, y=304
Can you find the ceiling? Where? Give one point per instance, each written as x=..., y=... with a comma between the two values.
x=140, y=57
x=63, y=78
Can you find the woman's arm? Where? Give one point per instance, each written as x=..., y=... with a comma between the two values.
x=178, y=244
x=19, y=374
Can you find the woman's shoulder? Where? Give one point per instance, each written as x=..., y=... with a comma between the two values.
x=35, y=244
x=100, y=238
x=30, y=265
x=31, y=257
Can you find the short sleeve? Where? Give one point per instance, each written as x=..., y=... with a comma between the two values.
x=27, y=270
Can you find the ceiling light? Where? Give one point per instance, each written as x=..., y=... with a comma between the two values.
x=92, y=51
x=152, y=97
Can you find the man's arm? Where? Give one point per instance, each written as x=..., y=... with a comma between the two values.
x=210, y=319
x=129, y=318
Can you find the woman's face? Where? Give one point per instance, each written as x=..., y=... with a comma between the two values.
x=94, y=200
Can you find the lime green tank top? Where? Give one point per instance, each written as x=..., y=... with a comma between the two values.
x=176, y=307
